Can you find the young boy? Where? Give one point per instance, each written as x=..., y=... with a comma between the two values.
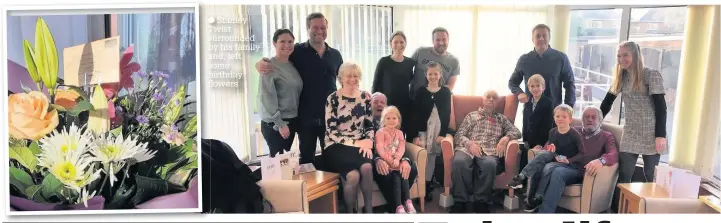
x=564, y=146
x=537, y=114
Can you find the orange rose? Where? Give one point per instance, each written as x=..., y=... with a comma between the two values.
x=29, y=117
x=66, y=98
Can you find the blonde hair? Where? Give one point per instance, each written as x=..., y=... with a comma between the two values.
x=635, y=71
x=564, y=108
x=391, y=110
x=537, y=78
x=349, y=68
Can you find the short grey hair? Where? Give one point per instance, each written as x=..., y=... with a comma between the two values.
x=598, y=112
x=378, y=94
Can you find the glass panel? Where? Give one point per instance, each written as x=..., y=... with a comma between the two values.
x=592, y=46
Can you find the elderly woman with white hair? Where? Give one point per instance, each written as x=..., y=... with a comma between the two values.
x=349, y=137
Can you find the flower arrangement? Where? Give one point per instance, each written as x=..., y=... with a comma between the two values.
x=97, y=148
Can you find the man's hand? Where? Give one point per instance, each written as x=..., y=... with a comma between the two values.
x=405, y=169
x=263, y=66
x=593, y=167
x=523, y=97
x=501, y=146
x=284, y=132
x=551, y=148
x=475, y=150
x=382, y=167
x=660, y=144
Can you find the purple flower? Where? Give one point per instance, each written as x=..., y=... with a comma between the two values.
x=174, y=128
x=118, y=109
x=142, y=74
x=163, y=74
x=160, y=111
x=142, y=119
x=157, y=97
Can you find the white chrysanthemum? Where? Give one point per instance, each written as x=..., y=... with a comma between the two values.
x=85, y=196
x=73, y=143
x=64, y=156
x=114, y=152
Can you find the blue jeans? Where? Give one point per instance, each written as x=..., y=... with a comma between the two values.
x=553, y=182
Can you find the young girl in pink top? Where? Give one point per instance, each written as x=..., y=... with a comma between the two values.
x=390, y=145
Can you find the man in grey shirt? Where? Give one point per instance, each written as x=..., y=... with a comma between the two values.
x=552, y=64
x=423, y=55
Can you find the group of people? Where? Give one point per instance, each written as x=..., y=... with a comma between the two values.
x=363, y=134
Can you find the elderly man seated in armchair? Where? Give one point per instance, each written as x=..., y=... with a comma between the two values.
x=481, y=143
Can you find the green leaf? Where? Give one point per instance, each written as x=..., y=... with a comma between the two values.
x=117, y=131
x=33, y=190
x=25, y=157
x=122, y=198
x=51, y=186
x=81, y=107
x=15, y=142
x=46, y=55
x=20, y=179
x=30, y=61
x=34, y=147
x=149, y=188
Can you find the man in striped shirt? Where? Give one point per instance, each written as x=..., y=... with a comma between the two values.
x=481, y=143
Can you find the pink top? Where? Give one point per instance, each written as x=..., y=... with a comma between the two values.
x=390, y=144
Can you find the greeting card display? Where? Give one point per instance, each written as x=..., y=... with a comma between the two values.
x=92, y=63
x=280, y=167
x=678, y=182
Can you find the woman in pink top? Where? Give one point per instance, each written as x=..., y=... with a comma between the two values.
x=390, y=145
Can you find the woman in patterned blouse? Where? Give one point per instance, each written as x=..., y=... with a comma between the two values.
x=645, y=109
x=349, y=137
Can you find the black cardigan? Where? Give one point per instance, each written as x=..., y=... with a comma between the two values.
x=423, y=106
x=537, y=124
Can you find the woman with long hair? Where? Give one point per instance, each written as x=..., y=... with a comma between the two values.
x=643, y=93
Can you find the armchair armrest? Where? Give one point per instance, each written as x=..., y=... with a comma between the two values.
x=285, y=195
x=512, y=158
x=419, y=156
x=448, y=149
x=597, y=191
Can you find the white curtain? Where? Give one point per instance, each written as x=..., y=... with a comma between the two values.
x=225, y=109
x=488, y=40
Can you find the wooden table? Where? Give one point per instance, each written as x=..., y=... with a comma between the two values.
x=631, y=194
x=322, y=190
x=711, y=201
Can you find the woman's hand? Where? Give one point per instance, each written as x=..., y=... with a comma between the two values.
x=284, y=132
x=660, y=144
x=366, y=152
x=439, y=139
x=405, y=169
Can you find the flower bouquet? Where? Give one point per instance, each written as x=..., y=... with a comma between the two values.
x=107, y=146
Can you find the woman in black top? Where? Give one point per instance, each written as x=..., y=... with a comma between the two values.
x=393, y=76
x=431, y=116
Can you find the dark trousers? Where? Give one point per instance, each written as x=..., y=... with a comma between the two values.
x=276, y=143
x=310, y=132
x=473, y=177
x=386, y=185
x=626, y=167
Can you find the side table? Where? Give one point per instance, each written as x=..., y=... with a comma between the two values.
x=322, y=190
x=631, y=194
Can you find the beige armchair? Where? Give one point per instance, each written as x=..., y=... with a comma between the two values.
x=419, y=156
x=595, y=193
x=286, y=196
x=672, y=206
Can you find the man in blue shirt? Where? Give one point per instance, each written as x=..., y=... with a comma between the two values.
x=552, y=64
x=318, y=64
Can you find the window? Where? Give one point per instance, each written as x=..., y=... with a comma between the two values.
x=361, y=33
x=592, y=52
x=162, y=42
x=661, y=48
